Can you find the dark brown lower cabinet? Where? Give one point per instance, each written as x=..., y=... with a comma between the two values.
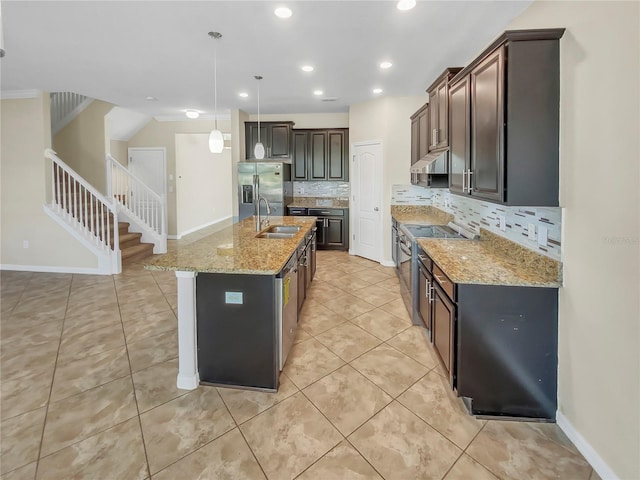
x=497, y=343
x=444, y=331
x=332, y=228
x=425, y=295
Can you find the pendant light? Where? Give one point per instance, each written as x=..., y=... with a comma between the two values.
x=258, y=150
x=216, y=141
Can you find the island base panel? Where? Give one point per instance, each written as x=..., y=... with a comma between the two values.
x=237, y=342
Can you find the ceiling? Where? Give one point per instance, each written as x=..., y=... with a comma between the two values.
x=123, y=51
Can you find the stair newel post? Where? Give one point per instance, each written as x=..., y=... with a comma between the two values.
x=53, y=182
x=164, y=214
x=109, y=166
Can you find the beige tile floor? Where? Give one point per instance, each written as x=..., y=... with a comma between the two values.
x=88, y=391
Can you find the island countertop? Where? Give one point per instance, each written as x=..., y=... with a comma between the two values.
x=235, y=249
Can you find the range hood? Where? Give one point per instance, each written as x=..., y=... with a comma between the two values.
x=432, y=162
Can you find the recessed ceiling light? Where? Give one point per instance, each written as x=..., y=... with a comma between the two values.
x=283, y=12
x=318, y=92
x=377, y=90
x=193, y=114
x=386, y=65
x=307, y=68
x=151, y=99
x=406, y=4
x=243, y=94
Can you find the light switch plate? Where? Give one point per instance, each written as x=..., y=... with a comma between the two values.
x=233, y=298
x=532, y=231
x=542, y=236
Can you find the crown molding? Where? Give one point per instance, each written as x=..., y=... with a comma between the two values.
x=16, y=94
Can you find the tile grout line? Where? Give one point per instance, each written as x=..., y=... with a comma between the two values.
x=53, y=377
x=133, y=387
x=242, y=433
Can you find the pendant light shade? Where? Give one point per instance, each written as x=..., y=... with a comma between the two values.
x=216, y=141
x=258, y=150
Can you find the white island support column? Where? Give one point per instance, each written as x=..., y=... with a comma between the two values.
x=188, y=378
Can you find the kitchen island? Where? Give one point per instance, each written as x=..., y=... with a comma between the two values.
x=227, y=305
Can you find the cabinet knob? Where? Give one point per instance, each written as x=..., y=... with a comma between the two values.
x=376, y=209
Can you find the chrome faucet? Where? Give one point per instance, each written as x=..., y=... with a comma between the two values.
x=259, y=222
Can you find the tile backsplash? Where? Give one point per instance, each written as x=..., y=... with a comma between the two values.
x=473, y=214
x=338, y=190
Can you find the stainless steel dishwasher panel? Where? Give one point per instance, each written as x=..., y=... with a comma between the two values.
x=287, y=308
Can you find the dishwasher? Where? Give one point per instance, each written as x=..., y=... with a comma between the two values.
x=287, y=307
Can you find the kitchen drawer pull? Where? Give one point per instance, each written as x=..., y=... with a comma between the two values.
x=429, y=291
x=440, y=280
x=423, y=258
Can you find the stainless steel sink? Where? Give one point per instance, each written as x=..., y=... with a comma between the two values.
x=268, y=234
x=283, y=229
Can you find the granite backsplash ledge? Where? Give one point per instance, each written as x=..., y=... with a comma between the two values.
x=475, y=214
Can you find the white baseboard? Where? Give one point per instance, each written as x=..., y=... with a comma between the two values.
x=48, y=269
x=173, y=237
x=587, y=451
x=387, y=263
x=205, y=225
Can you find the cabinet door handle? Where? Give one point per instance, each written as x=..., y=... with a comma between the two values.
x=464, y=181
x=469, y=173
x=429, y=291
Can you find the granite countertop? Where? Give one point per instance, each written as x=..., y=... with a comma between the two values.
x=235, y=249
x=420, y=215
x=492, y=260
x=318, y=202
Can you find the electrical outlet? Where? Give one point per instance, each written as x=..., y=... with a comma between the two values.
x=503, y=222
x=25, y=244
x=532, y=231
x=542, y=236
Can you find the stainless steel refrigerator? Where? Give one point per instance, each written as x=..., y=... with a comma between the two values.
x=275, y=186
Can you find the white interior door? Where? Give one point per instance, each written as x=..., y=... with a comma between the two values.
x=366, y=184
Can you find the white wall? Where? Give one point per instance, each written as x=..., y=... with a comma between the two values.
x=83, y=144
x=203, y=183
x=25, y=177
x=387, y=119
x=163, y=134
x=599, y=317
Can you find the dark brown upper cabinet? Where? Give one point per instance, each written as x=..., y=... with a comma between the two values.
x=504, y=121
x=420, y=133
x=459, y=134
x=438, y=137
x=275, y=136
x=321, y=154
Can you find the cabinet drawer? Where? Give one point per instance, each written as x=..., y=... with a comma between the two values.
x=444, y=282
x=297, y=211
x=326, y=212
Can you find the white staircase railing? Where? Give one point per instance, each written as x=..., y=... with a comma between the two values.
x=91, y=217
x=64, y=107
x=137, y=202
